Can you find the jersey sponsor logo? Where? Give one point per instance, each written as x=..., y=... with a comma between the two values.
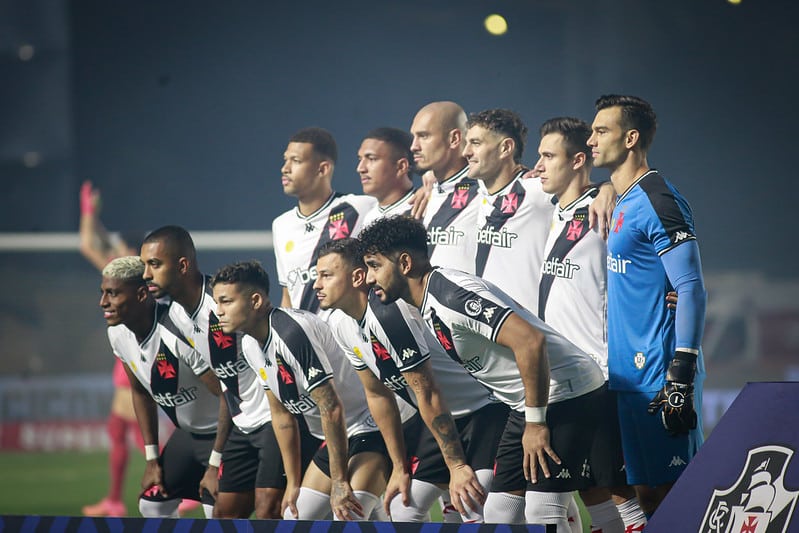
x=338, y=227
x=299, y=406
x=473, y=365
x=639, y=360
x=560, y=269
x=165, y=368
x=407, y=353
x=677, y=461
x=313, y=372
x=473, y=307
x=574, y=230
x=618, y=222
x=181, y=397
x=445, y=236
x=230, y=369
x=302, y=276
x=501, y=239
x=488, y=314
x=617, y=264
x=758, y=502
x=395, y=382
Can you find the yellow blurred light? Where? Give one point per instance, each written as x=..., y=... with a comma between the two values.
x=496, y=24
x=734, y=2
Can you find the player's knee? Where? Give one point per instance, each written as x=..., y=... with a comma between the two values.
x=548, y=508
x=165, y=509
x=504, y=508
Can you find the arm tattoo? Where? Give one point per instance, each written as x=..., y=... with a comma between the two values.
x=447, y=435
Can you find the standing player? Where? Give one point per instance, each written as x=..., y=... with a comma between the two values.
x=252, y=477
x=321, y=214
x=298, y=360
x=163, y=369
x=392, y=350
x=572, y=293
x=552, y=387
x=384, y=164
x=654, y=355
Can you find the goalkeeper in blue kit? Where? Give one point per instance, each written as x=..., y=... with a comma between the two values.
x=654, y=357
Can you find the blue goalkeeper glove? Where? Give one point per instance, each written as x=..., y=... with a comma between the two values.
x=675, y=400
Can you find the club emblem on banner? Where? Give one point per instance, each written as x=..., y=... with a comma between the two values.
x=759, y=501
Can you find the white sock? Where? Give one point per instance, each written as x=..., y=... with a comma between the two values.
x=313, y=505
x=548, y=508
x=504, y=508
x=422, y=496
x=573, y=516
x=448, y=513
x=368, y=502
x=208, y=510
x=631, y=514
x=167, y=509
x=605, y=518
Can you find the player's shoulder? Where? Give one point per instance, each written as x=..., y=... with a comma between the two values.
x=360, y=202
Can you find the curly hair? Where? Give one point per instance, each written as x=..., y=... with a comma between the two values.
x=503, y=122
x=245, y=272
x=394, y=234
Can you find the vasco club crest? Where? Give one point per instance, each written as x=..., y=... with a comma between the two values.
x=758, y=502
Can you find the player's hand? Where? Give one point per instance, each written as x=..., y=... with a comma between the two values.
x=675, y=400
x=89, y=199
x=532, y=173
x=465, y=490
x=210, y=482
x=398, y=484
x=421, y=197
x=535, y=443
x=671, y=300
x=344, y=503
x=289, y=504
x=600, y=212
x=153, y=477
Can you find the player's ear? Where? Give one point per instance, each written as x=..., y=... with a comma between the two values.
x=455, y=138
x=325, y=167
x=403, y=166
x=506, y=147
x=358, y=277
x=142, y=293
x=256, y=300
x=631, y=138
x=578, y=161
x=405, y=263
x=183, y=265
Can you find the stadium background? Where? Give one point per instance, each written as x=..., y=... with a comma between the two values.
x=179, y=112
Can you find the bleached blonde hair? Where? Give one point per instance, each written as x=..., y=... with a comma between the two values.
x=127, y=268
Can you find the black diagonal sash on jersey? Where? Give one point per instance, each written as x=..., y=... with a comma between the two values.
x=389, y=374
x=444, y=336
x=339, y=225
x=164, y=381
x=286, y=381
x=463, y=193
x=505, y=206
x=572, y=232
x=224, y=356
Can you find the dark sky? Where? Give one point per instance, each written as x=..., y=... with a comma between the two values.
x=180, y=111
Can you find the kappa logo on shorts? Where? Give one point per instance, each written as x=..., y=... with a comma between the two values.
x=758, y=502
x=677, y=461
x=564, y=474
x=473, y=307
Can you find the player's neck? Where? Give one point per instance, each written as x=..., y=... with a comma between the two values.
x=505, y=176
x=142, y=325
x=449, y=169
x=355, y=307
x=190, y=296
x=261, y=329
x=397, y=194
x=310, y=203
x=627, y=172
x=576, y=188
x=417, y=287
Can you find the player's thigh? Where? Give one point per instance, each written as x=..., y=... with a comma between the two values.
x=369, y=471
x=267, y=503
x=316, y=479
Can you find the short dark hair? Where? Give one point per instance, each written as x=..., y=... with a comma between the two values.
x=394, y=234
x=322, y=141
x=349, y=249
x=504, y=122
x=636, y=114
x=575, y=133
x=175, y=238
x=245, y=272
x=399, y=140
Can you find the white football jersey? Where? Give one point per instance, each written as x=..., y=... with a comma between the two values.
x=513, y=224
x=301, y=354
x=391, y=339
x=573, y=289
x=451, y=220
x=297, y=239
x=402, y=206
x=168, y=367
x=466, y=314
x=246, y=399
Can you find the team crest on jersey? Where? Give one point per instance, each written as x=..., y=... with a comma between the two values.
x=758, y=502
x=221, y=339
x=283, y=372
x=574, y=230
x=617, y=222
x=338, y=229
x=165, y=368
x=379, y=350
x=460, y=197
x=510, y=203
x=473, y=307
x=639, y=360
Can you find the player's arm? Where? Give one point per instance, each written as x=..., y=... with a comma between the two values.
x=383, y=406
x=210, y=481
x=529, y=348
x=287, y=433
x=147, y=416
x=95, y=242
x=601, y=209
x=464, y=486
x=684, y=269
x=342, y=500
x=285, y=301
x=422, y=195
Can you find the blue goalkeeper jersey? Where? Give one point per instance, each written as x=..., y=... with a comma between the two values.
x=651, y=218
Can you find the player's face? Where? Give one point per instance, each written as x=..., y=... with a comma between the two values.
x=554, y=166
x=378, y=168
x=482, y=151
x=430, y=141
x=233, y=307
x=333, y=282
x=160, y=268
x=300, y=173
x=607, y=138
x=118, y=299
x=385, y=278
